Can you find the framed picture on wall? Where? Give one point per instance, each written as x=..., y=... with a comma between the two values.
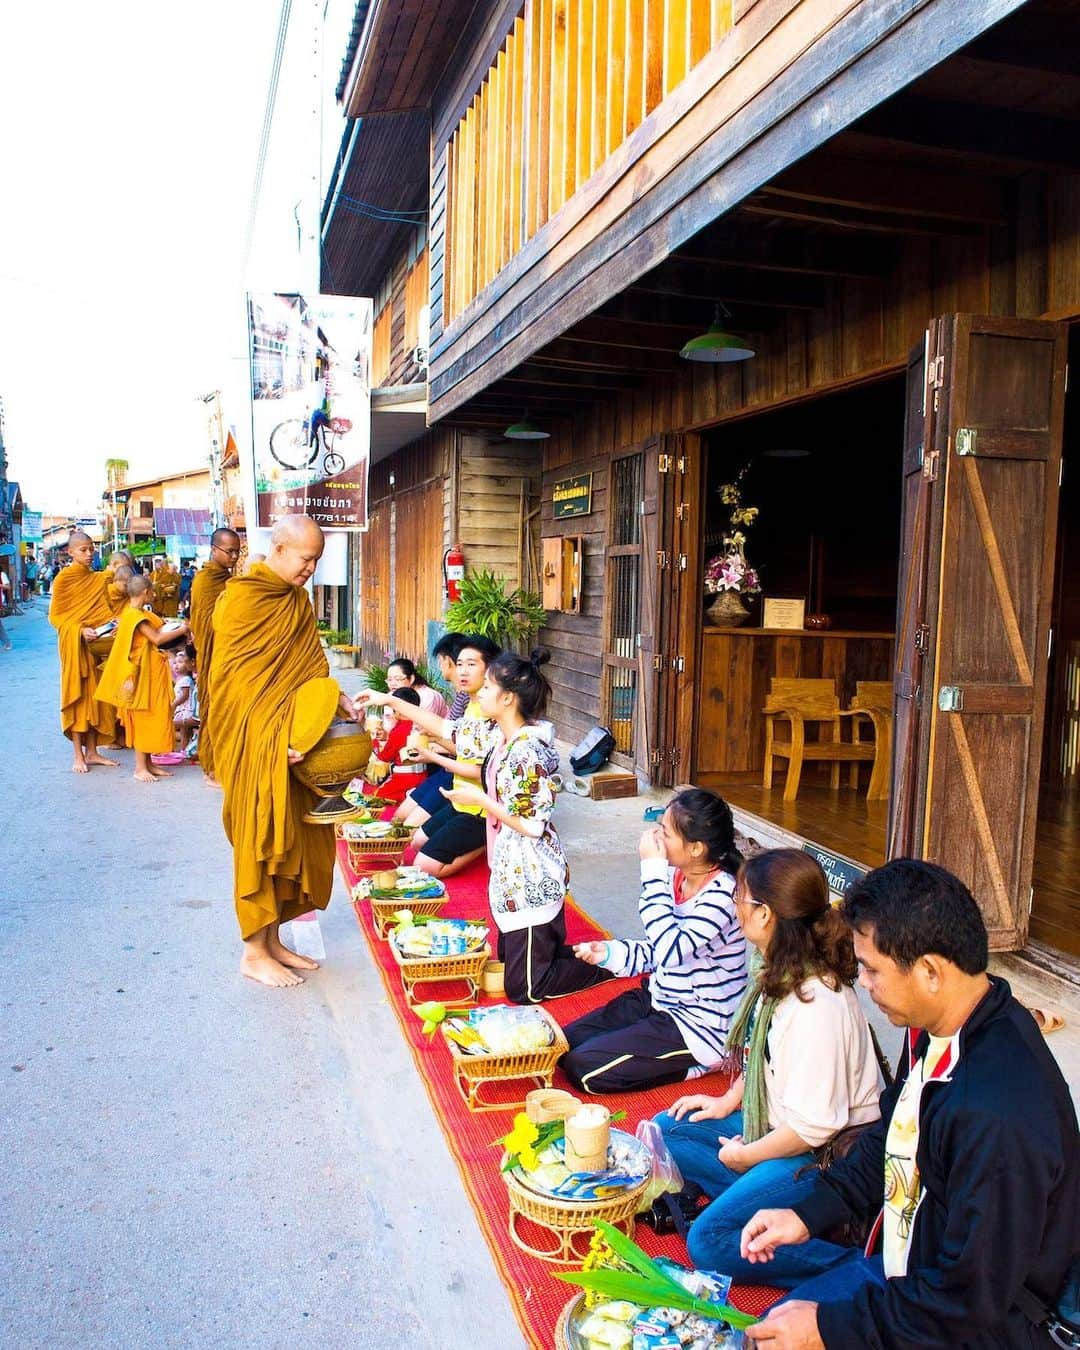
x=778, y=613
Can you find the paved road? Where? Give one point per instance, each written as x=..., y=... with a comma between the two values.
x=189, y=1160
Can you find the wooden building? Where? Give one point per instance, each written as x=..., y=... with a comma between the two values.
x=884, y=201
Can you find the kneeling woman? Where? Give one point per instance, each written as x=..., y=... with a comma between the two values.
x=529, y=875
x=676, y=1027
x=809, y=1066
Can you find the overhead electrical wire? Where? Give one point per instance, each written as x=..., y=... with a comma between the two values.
x=268, y=121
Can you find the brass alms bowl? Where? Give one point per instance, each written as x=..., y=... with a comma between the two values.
x=341, y=754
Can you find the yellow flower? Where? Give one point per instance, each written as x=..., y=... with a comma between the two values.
x=519, y=1142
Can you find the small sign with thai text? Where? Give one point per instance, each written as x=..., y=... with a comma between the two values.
x=572, y=497
x=783, y=613
x=841, y=874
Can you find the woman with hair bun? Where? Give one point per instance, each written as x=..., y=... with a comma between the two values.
x=809, y=1065
x=529, y=874
x=675, y=1027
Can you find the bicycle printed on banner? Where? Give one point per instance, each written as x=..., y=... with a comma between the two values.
x=297, y=443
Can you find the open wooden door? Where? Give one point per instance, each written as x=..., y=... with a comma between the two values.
x=966, y=770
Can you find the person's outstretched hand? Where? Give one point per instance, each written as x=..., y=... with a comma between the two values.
x=347, y=710
x=700, y=1106
x=593, y=953
x=791, y=1326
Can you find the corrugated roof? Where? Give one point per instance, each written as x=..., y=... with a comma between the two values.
x=176, y=520
x=359, y=19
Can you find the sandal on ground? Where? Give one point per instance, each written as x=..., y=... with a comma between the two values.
x=1048, y=1022
x=577, y=786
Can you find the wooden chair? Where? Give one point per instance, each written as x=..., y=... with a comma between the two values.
x=873, y=703
x=798, y=702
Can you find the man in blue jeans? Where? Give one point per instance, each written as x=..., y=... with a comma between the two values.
x=973, y=1170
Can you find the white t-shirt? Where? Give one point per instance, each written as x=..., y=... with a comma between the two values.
x=822, y=1074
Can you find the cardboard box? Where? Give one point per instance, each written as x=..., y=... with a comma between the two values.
x=610, y=783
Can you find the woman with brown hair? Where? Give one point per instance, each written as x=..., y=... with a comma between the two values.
x=808, y=1063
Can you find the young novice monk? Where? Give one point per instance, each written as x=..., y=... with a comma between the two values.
x=137, y=681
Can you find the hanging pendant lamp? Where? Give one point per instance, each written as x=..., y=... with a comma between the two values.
x=717, y=345
x=526, y=430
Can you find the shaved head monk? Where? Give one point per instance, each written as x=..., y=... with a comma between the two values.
x=78, y=605
x=206, y=590
x=272, y=700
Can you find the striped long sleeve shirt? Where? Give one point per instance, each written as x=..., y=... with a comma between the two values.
x=696, y=954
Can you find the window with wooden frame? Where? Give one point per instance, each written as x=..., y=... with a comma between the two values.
x=573, y=80
x=622, y=591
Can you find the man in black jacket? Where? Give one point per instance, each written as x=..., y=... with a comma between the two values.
x=977, y=1154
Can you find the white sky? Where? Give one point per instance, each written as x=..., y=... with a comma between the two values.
x=128, y=140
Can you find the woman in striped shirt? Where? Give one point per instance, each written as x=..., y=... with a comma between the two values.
x=674, y=1026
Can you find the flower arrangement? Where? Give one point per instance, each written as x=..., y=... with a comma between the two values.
x=730, y=571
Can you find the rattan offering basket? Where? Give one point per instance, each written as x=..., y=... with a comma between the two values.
x=466, y=967
x=384, y=908
x=533, y=1068
x=365, y=855
x=565, y=1227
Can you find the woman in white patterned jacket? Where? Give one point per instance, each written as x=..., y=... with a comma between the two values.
x=674, y=1026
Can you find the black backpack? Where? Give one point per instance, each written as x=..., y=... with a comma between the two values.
x=593, y=751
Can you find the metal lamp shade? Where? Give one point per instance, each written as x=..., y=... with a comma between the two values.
x=717, y=346
x=525, y=430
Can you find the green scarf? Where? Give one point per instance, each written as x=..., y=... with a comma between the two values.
x=747, y=1038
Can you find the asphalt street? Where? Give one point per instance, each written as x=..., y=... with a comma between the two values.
x=191, y=1160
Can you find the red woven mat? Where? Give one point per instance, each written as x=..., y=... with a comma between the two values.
x=537, y=1297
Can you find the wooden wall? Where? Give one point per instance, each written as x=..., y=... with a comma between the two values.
x=498, y=486
x=865, y=329
x=396, y=332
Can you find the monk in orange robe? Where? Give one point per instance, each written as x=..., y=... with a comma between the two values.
x=137, y=681
x=119, y=570
x=77, y=606
x=166, y=589
x=206, y=589
x=271, y=701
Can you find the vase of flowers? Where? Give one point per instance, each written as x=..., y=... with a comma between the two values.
x=728, y=576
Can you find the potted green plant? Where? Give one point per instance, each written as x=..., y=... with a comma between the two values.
x=485, y=606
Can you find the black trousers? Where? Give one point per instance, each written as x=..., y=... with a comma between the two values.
x=540, y=965
x=624, y=1046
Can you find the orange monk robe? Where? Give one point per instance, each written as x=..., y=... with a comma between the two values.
x=206, y=588
x=136, y=679
x=267, y=666
x=167, y=593
x=117, y=597
x=79, y=601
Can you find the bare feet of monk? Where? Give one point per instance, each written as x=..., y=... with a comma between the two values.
x=79, y=765
x=263, y=969
x=145, y=776
x=280, y=953
x=160, y=773
x=94, y=758
x=211, y=781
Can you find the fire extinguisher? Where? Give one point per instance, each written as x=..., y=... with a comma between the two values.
x=453, y=572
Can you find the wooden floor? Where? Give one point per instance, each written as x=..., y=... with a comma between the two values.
x=1055, y=914
x=844, y=823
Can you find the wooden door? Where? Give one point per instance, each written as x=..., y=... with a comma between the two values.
x=994, y=416
x=628, y=702
x=418, y=546
x=375, y=584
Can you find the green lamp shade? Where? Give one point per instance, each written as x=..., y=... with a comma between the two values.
x=716, y=345
x=525, y=430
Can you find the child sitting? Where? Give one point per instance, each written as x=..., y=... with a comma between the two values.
x=391, y=748
x=183, y=707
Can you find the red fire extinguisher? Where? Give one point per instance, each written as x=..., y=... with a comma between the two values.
x=453, y=572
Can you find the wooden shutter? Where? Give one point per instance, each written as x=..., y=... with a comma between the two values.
x=995, y=401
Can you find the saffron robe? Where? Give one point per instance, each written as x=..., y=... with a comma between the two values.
x=79, y=601
x=267, y=667
x=136, y=679
x=166, y=592
x=117, y=596
x=206, y=590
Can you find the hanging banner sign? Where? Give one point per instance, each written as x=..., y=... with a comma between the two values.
x=841, y=873
x=31, y=527
x=311, y=407
x=572, y=497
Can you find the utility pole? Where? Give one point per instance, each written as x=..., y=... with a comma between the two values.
x=216, y=427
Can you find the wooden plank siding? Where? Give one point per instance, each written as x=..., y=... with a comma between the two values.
x=787, y=76
x=564, y=90
x=498, y=485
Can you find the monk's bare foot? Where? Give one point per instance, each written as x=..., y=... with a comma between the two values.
x=292, y=959
x=211, y=781
x=263, y=969
x=145, y=776
x=160, y=773
x=95, y=758
x=79, y=766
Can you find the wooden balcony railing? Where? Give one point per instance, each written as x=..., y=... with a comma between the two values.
x=571, y=83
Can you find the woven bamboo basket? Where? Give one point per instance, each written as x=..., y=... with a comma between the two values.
x=535, y=1068
x=366, y=855
x=569, y=1222
x=423, y=970
x=383, y=909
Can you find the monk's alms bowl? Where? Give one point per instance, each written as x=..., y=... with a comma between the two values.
x=102, y=646
x=340, y=756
